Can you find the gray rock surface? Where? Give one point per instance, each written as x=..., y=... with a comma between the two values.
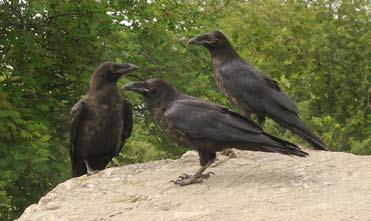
x=252, y=186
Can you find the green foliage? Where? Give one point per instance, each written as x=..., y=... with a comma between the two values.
x=317, y=50
x=48, y=50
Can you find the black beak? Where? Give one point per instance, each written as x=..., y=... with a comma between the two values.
x=138, y=87
x=125, y=68
x=198, y=40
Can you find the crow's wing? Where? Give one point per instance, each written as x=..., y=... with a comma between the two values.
x=127, y=122
x=76, y=115
x=259, y=91
x=265, y=97
x=202, y=120
x=271, y=83
x=128, y=119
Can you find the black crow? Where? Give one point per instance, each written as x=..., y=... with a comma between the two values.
x=252, y=91
x=101, y=122
x=204, y=126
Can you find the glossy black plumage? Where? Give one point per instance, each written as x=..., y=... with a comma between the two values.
x=204, y=126
x=252, y=91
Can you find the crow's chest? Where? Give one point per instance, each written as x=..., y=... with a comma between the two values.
x=220, y=82
x=167, y=127
x=104, y=122
x=233, y=97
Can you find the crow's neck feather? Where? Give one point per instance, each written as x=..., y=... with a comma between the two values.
x=164, y=101
x=104, y=94
x=224, y=53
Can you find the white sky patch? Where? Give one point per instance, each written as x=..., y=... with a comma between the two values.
x=37, y=15
x=116, y=13
x=127, y=23
x=9, y=67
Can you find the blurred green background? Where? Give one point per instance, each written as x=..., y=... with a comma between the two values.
x=319, y=51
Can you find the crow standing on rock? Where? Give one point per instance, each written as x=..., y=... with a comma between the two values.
x=101, y=122
x=204, y=126
x=252, y=91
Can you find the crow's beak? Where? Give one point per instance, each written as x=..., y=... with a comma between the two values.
x=195, y=41
x=126, y=68
x=140, y=87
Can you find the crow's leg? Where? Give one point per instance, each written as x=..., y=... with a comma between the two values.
x=206, y=159
x=186, y=179
x=90, y=171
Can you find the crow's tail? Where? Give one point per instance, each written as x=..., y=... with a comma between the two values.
x=284, y=147
x=299, y=128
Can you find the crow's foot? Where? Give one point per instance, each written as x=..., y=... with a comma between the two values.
x=92, y=172
x=186, y=179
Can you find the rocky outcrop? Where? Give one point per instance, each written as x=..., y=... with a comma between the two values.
x=251, y=186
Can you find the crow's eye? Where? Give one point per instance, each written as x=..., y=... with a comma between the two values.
x=211, y=39
x=147, y=87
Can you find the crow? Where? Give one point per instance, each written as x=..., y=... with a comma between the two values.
x=101, y=122
x=205, y=127
x=252, y=91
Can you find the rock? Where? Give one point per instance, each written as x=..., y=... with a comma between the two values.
x=252, y=186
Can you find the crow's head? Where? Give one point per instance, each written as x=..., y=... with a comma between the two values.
x=158, y=93
x=212, y=40
x=108, y=73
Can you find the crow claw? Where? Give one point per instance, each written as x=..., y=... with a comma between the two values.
x=186, y=179
x=89, y=172
x=183, y=176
